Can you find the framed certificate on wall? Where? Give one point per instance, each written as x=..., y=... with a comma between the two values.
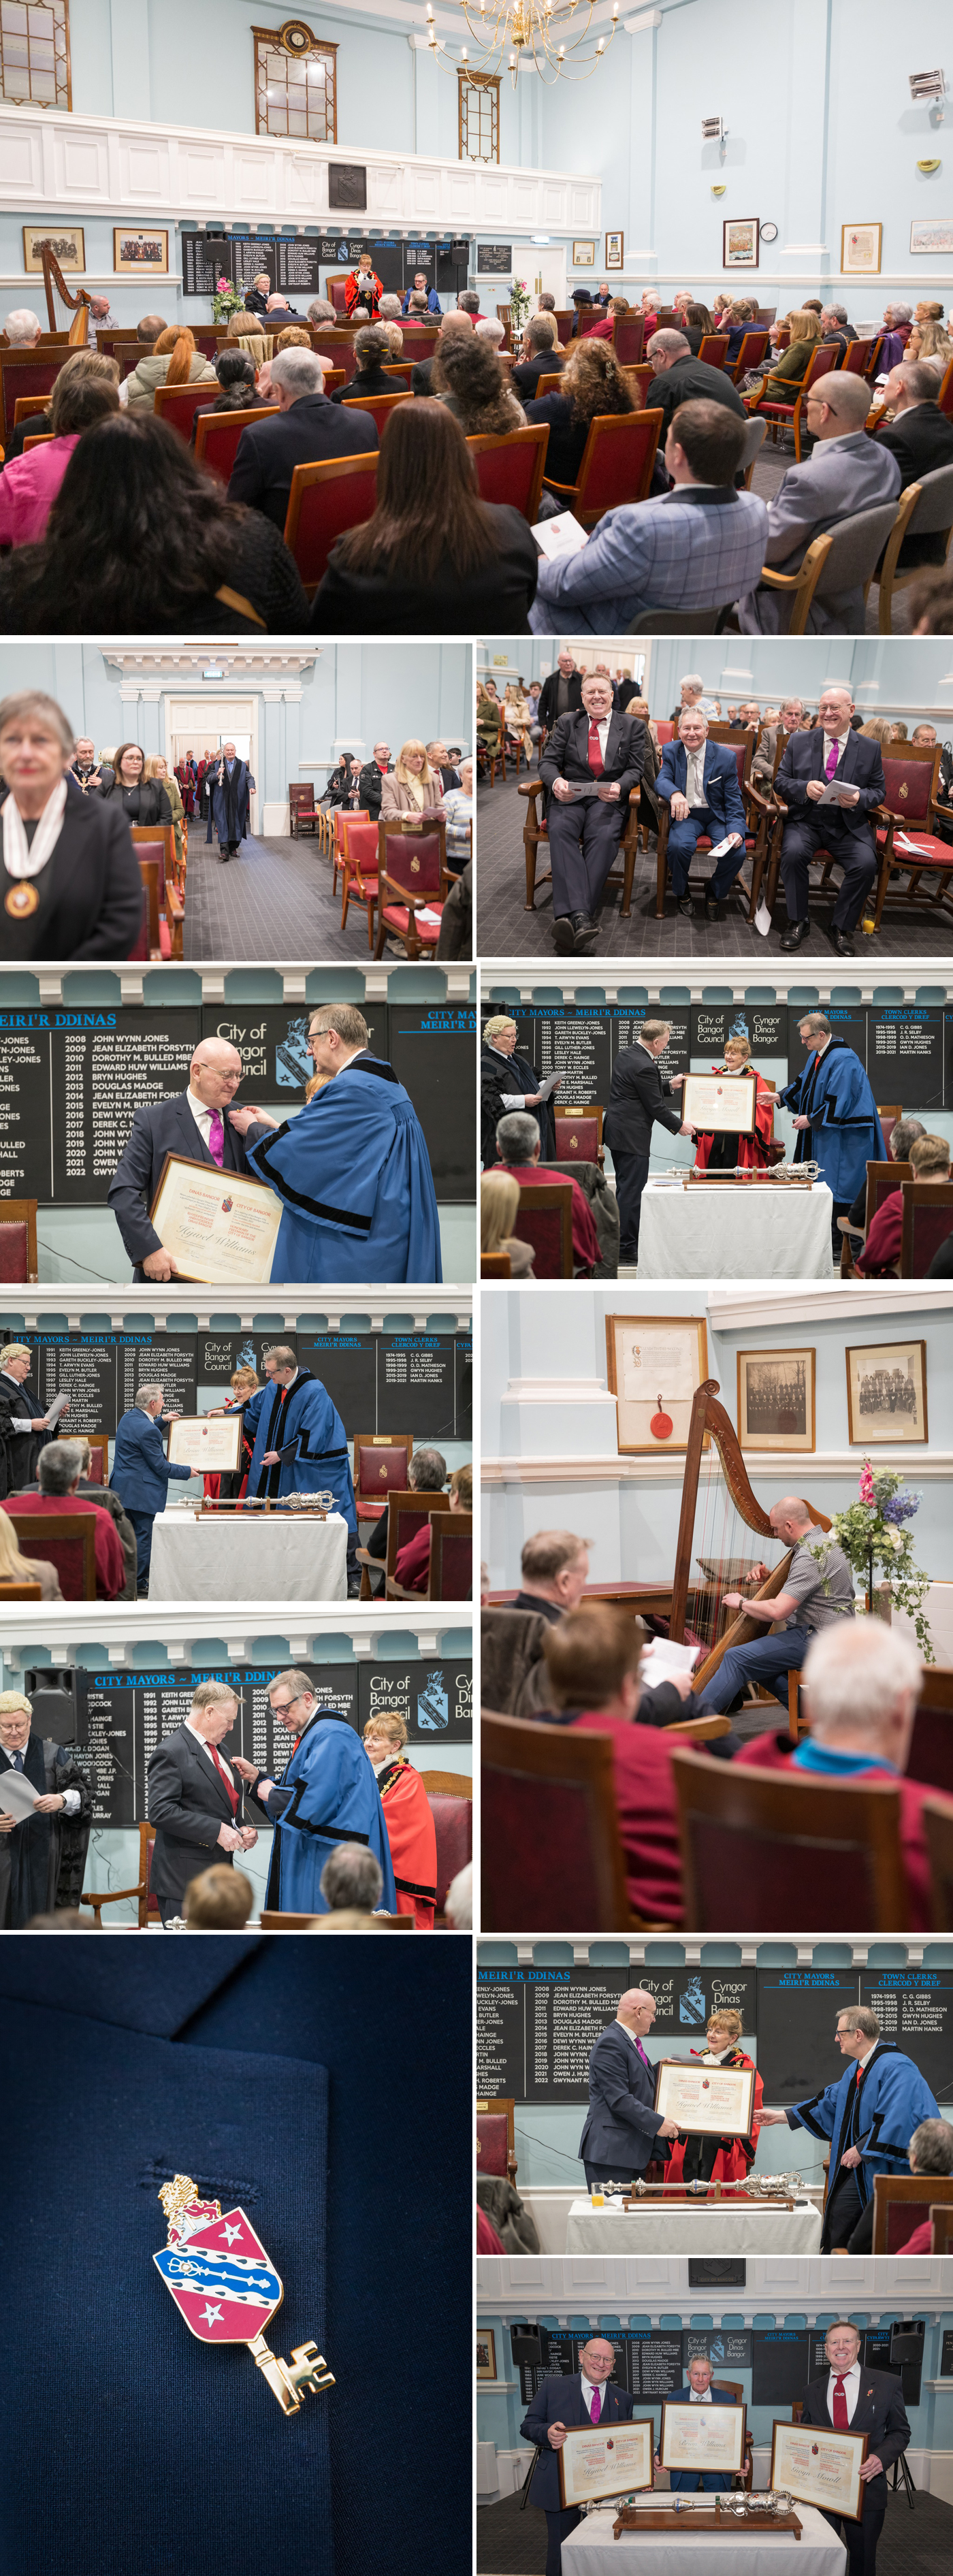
x=703, y=2437
x=654, y=1364
x=708, y=2101
x=818, y=2467
x=606, y=2460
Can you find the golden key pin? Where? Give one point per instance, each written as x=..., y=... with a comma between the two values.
x=227, y=2289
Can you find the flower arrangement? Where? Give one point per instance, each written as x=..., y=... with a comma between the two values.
x=519, y=301
x=873, y=1532
x=226, y=300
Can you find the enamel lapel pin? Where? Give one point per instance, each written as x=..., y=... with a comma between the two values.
x=226, y=2288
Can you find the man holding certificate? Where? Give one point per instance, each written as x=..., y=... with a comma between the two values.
x=699, y=2392
x=848, y=2399
x=195, y=1127
x=351, y=1170
x=559, y=2405
x=619, y=2138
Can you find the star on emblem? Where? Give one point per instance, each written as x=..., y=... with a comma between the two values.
x=213, y=2316
x=230, y=2233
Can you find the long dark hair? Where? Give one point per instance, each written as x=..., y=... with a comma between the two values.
x=593, y=381
x=137, y=530
x=470, y=371
x=427, y=501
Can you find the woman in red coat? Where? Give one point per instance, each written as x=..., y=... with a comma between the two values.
x=363, y=289
x=411, y=1832
x=719, y=2159
x=723, y=1153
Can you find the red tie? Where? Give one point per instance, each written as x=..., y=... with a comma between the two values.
x=839, y=2408
x=230, y=1790
x=595, y=755
x=596, y=2408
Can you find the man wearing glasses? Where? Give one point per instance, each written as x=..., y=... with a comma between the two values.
x=327, y=1795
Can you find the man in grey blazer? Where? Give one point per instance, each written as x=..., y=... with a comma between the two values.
x=195, y=1798
x=845, y=472
x=622, y=2124
x=195, y=1124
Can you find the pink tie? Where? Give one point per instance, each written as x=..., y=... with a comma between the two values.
x=832, y=760
x=596, y=2408
x=216, y=1139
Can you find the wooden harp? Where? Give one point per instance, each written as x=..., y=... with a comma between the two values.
x=726, y=1491
x=80, y=304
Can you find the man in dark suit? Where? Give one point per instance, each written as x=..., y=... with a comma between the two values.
x=921, y=438
x=195, y=1798
x=195, y=1124
x=371, y=780
x=561, y=692
x=699, y=2392
x=141, y=1472
x=605, y=753
x=581, y=2396
x=698, y=781
x=540, y=355
x=638, y=1098
x=455, y=324
x=439, y=758
x=849, y=2399
x=832, y=754
x=622, y=2126
x=679, y=378
x=306, y=429
x=257, y=294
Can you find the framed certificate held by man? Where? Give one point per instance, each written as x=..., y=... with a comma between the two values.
x=703, y=2437
x=706, y=2101
x=606, y=2460
x=220, y=1228
x=820, y=2468
x=211, y=1444
x=720, y=1104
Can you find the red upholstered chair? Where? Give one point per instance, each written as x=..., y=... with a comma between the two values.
x=787, y=415
x=888, y=1120
x=324, y=500
x=451, y=1557
x=496, y=2136
x=26, y=371
x=945, y=395
x=579, y=1135
x=380, y=406
x=152, y=871
x=412, y=878
x=97, y=1473
x=901, y=2203
x=510, y=468
x=617, y=464
x=67, y=1540
x=544, y=1219
x=18, y=1256
x=551, y=1850
x=817, y=1853
x=547, y=385
x=714, y=349
x=359, y=869
x=757, y=813
x=177, y=405
x=302, y=809
x=338, y=345
x=338, y=817
x=912, y=778
x=405, y=1514
x=148, y=1905
x=217, y=435
x=856, y=358
x=927, y=1220
x=401, y=369
x=565, y=324
x=629, y=340
x=931, y=1750
x=337, y=294
x=450, y=1800
x=750, y=354
x=640, y=380
x=209, y=338
x=882, y=1180
x=150, y=840
x=664, y=730
x=380, y=1468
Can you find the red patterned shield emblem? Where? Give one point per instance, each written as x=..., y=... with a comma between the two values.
x=221, y=2279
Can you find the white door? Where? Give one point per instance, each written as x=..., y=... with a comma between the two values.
x=202, y=725
x=544, y=270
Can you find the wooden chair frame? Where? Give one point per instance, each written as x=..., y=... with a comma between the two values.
x=535, y=431
x=407, y=1500
x=79, y=1526
x=890, y=578
x=377, y=1440
x=528, y=1749
x=330, y=469
x=892, y=860
x=503, y=2102
x=781, y=415
x=389, y=890
x=547, y=1195
x=581, y=1109
x=923, y=2192
x=355, y=885
x=458, y=1525
x=495, y=1265
x=535, y=831
x=276, y=1922
x=171, y=898
x=299, y=811
x=116, y=1895
x=780, y=1806
x=23, y=1212
x=928, y=1194
x=602, y=428
x=240, y=420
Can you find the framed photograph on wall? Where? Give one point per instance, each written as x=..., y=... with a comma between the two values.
x=860, y=249
x=584, y=254
x=776, y=1399
x=886, y=1393
x=615, y=245
x=67, y=243
x=140, y=254
x=740, y=241
x=486, y=2353
x=932, y=240
x=655, y=1364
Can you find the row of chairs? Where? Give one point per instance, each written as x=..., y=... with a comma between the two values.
x=399, y=874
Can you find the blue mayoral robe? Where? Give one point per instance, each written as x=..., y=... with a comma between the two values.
x=845, y=1133
x=354, y=1175
x=302, y=1412
x=334, y=1799
x=894, y=2099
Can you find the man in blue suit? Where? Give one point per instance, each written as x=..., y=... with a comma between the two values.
x=141, y=1471
x=557, y=2407
x=699, y=2392
x=698, y=781
x=622, y=2125
x=420, y=287
x=831, y=756
x=195, y=1124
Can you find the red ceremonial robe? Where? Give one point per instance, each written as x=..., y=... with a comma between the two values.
x=355, y=294
x=412, y=1836
x=735, y=2156
x=752, y=1150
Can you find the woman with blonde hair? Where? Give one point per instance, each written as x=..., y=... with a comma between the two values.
x=408, y=1817
x=591, y=383
x=16, y=1568
x=249, y=326
x=516, y=716
x=785, y=374
x=929, y=345
x=412, y=787
x=157, y=767
x=499, y=1209
x=174, y=360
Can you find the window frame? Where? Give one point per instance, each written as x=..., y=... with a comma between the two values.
x=6, y=96
x=490, y=81
x=267, y=40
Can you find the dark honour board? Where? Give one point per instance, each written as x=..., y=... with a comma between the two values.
x=380, y=1382
x=906, y=1048
x=536, y=2027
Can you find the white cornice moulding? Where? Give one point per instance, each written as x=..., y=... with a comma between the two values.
x=656, y=977
x=730, y=1310
x=70, y=1628
x=167, y=1304
x=187, y=661
x=823, y=1467
x=376, y=980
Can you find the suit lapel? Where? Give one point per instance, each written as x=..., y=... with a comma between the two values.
x=193, y=1141
x=210, y=1777
x=612, y=741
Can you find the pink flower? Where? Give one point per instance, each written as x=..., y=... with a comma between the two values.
x=223, y=286
x=866, y=1487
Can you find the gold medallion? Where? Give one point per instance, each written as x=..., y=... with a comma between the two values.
x=21, y=900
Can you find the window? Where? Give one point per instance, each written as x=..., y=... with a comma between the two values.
x=478, y=95
x=295, y=83
x=34, y=53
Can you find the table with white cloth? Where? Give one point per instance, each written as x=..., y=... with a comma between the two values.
x=591, y=2550
x=669, y=2226
x=735, y=1230
x=248, y=1556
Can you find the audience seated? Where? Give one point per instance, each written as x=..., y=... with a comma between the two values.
x=783, y=375
x=426, y=1474
x=413, y=1561
x=611, y=314
x=218, y=1900
x=59, y=1469
x=698, y=322
x=412, y=786
x=85, y=391
x=140, y=541
x=903, y=1134
x=431, y=298
x=519, y=1150
x=845, y=472
x=257, y=294
x=278, y=312
x=372, y=352
x=454, y=326
x=540, y=355
x=592, y=1661
x=737, y=318
x=896, y=327
x=434, y=558
x=920, y=436
x=23, y=328
x=173, y=360
x=458, y=810
x=929, y=345
x=671, y=552
x=306, y=428
x=592, y=385
x=499, y=1208
x=235, y=370
x=930, y=2152
x=466, y=376
x=352, y=1883
x=879, y=1257
x=680, y=378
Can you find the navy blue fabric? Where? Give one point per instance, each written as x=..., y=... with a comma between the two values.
x=172, y=2458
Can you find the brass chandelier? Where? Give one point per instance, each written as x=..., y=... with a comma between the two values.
x=506, y=30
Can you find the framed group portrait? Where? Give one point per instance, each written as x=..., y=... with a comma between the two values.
x=776, y=1399
x=614, y=250
x=740, y=241
x=886, y=1393
x=136, y=254
x=66, y=241
x=486, y=2353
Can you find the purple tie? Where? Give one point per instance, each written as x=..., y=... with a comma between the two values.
x=596, y=2407
x=832, y=760
x=641, y=2052
x=216, y=1139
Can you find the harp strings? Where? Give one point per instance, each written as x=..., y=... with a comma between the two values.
x=725, y=1545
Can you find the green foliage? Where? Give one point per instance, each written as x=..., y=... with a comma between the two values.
x=873, y=1532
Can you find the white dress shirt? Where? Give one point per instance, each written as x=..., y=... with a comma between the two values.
x=203, y=1117
x=700, y=2397
x=851, y=2379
